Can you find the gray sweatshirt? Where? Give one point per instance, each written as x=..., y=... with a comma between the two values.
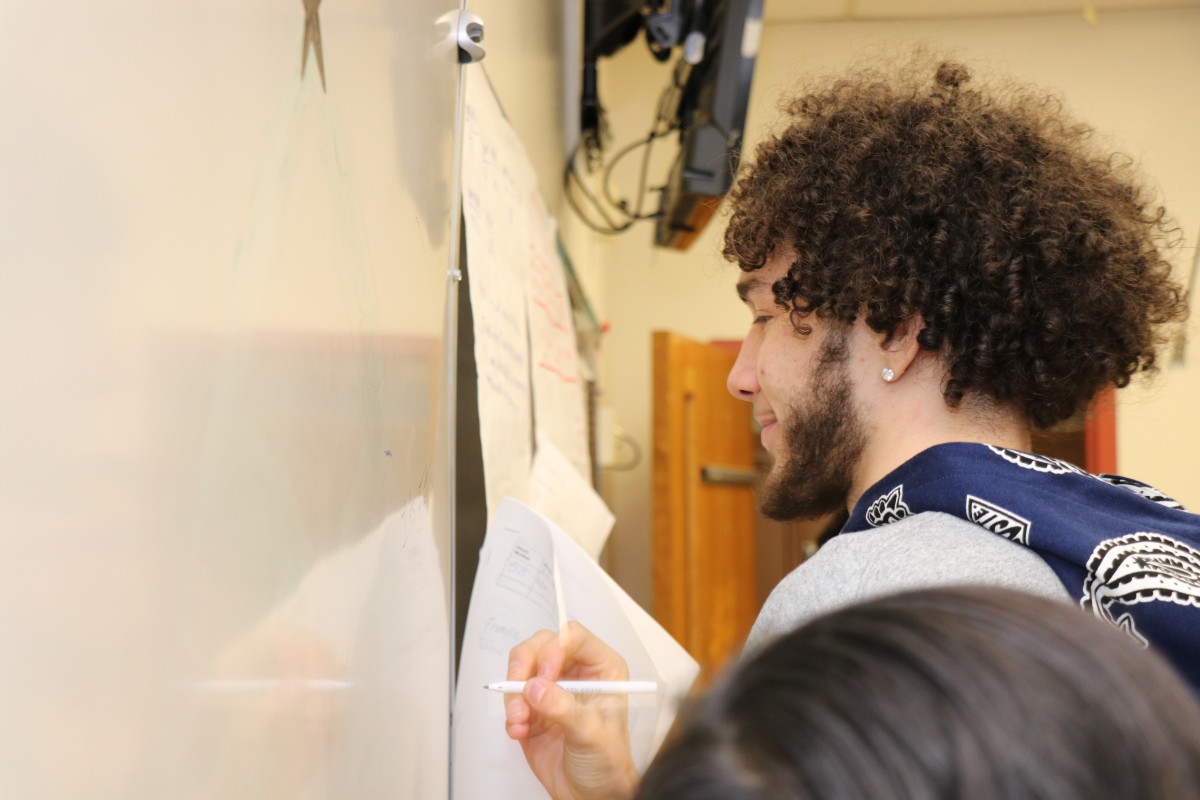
x=922, y=551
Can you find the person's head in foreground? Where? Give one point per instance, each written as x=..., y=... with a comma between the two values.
x=972, y=693
x=930, y=256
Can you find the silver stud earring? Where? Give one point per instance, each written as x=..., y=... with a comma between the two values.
x=888, y=375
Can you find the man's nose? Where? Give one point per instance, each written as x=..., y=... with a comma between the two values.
x=743, y=377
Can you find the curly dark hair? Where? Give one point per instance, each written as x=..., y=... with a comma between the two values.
x=1035, y=259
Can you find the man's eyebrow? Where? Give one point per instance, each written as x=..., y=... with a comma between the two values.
x=744, y=288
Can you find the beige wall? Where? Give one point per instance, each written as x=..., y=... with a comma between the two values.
x=525, y=63
x=1135, y=76
x=528, y=46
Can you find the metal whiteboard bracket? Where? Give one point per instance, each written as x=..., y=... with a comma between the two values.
x=470, y=34
x=459, y=35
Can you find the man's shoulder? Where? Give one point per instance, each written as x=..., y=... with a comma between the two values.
x=933, y=523
x=920, y=544
x=920, y=551
x=928, y=543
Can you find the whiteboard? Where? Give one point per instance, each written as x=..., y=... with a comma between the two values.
x=224, y=537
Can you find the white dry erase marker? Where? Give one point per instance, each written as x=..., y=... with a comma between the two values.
x=581, y=687
x=271, y=684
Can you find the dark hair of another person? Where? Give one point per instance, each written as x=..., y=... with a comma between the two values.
x=1034, y=258
x=955, y=694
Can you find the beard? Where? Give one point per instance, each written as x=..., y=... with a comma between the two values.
x=823, y=443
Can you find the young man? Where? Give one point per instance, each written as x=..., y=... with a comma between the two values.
x=932, y=270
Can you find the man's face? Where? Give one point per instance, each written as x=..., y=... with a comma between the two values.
x=803, y=397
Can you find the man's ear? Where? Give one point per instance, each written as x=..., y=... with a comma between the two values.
x=898, y=351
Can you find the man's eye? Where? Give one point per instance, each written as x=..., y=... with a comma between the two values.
x=762, y=319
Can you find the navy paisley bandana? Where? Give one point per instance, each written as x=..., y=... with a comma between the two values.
x=1127, y=552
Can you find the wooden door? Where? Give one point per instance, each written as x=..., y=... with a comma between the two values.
x=704, y=536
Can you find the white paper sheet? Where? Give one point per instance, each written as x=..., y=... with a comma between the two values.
x=525, y=348
x=559, y=400
x=497, y=182
x=513, y=598
x=559, y=492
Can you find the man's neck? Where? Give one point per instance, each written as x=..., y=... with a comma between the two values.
x=910, y=427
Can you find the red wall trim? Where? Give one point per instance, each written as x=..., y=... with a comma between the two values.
x=1100, y=434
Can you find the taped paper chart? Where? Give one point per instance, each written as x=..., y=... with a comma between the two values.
x=525, y=349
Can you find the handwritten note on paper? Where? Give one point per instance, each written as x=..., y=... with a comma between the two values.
x=496, y=180
x=512, y=600
x=567, y=499
x=559, y=402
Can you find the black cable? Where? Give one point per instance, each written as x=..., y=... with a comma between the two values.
x=641, y=192
x=663, y=125
x=622, y=206
x=593, y=50
x=568, y=174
